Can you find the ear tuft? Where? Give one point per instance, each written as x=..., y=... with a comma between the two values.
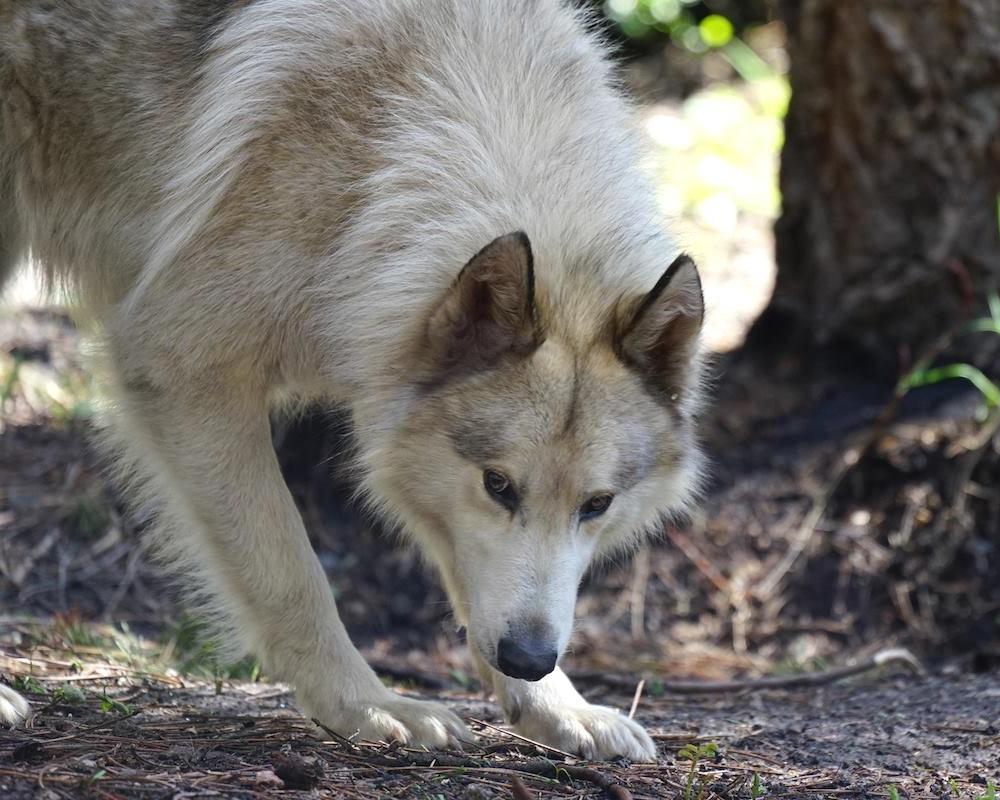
x=489, y=311
x=659, y=333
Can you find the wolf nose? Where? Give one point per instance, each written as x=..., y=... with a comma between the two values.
x=528, y=659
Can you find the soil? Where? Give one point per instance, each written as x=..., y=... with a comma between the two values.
x=901, y=550
x=932, y=737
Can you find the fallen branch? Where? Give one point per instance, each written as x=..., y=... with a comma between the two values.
x=881, y=658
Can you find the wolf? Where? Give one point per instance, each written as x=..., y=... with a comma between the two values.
x=433, y=213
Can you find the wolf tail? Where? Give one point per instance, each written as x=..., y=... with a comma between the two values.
x=11, y=242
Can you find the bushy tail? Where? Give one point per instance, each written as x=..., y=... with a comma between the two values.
x=11, y=244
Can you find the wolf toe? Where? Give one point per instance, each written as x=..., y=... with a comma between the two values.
x=597, y=733
x=417, y=723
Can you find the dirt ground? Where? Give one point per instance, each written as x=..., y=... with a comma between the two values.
x=921, y=737
x=832, y=528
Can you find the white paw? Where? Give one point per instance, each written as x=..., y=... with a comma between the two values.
x=390, y=717
x=597, y=733
x=13, y=707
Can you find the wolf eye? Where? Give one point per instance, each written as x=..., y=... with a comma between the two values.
x=596, y=506
x=501, y=489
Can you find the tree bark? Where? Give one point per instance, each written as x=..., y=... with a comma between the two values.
x=890, y=170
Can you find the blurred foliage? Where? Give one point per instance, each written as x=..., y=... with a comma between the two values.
x=64, y=396
x=696, y=25
x=719, y=150
x=715, y=161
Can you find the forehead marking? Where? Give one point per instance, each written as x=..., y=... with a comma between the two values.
x=636, y=461
x=478, y=440
x=574, y=398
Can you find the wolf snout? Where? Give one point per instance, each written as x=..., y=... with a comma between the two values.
x=527, y=658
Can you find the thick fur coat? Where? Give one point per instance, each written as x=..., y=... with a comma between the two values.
x=431, y=212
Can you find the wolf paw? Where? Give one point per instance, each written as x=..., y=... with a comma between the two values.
x=417, y=723
x=13, y=707
x=596, y=733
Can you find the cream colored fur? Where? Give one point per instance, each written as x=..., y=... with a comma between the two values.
x=266, y=205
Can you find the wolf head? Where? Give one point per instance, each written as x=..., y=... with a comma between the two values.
x=549, y=428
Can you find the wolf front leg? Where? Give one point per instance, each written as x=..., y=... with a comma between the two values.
x=553, y=712
x=229, y=524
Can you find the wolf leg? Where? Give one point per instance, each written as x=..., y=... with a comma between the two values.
x=228, y=521
x=553, y=712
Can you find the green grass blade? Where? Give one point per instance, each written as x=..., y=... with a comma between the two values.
x=926, y=377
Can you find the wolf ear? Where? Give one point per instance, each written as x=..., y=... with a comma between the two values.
x=659, y=334
x=489, y=310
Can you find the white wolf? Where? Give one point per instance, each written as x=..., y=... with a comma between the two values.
x=428, y=211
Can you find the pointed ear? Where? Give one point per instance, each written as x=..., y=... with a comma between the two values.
x=659, y=332
x=489, y=311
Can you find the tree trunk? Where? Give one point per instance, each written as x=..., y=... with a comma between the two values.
x=890, y=170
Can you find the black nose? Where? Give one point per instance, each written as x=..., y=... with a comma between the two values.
x=527, y=659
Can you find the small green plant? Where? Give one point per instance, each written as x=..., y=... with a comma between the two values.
x=893, y=792
x=461, y=679
x=696, y=754
x=69, y=695
x=990, y=324
x=757, y=788
x=28, y=684
x=9, y=382
x=192, y=648
x=88, y=516
x=109, y=705
x=924, y=375
x=73, y=631
x=990, y=793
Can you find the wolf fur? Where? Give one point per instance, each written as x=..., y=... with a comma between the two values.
x=431, y=212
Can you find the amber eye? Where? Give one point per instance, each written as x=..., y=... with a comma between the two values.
x=596, y=506
x=500, y=488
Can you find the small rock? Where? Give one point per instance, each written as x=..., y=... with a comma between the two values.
x=297, y=772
